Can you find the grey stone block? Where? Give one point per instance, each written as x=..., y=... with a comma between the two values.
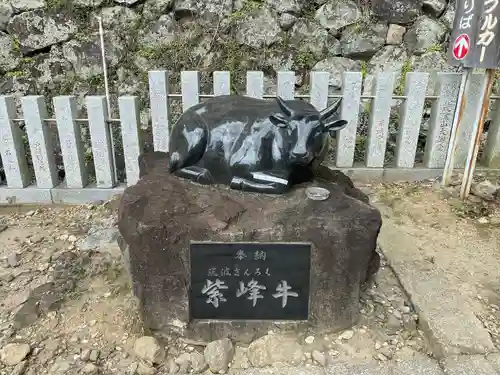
x=30, y=194
x=84, y=195
x=468, y=365
x=420, y=366
x=446, y=317
x=494, y=359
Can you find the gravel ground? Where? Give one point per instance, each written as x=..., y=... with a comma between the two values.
x=67, y=309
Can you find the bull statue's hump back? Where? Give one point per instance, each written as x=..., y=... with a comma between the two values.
x=251, y=144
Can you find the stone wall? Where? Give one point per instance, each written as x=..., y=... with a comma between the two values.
x=51, y=47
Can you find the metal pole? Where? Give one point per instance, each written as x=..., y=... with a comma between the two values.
x=476, y=135
x=459, y=109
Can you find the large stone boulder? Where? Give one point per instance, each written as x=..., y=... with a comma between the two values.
x=161, y=214
x=396, y=11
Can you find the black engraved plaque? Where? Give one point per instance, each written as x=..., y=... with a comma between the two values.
x=249, y=281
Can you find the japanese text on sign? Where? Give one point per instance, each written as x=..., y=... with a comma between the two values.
x=214, y=291
x=487, y=29
x=466, y=19
x=249, y=280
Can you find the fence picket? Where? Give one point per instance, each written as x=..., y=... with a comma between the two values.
x=222, y=83
x=319, y=89
x=71, y=141
x=378, y=126
x=131, y=137
x=411, y=117
x=160, y=110
x=255, y=84
x=471, y=113
x=190, y=86
x=12, y=148
x=286, y=85
x=40, y=141
x=441, y=121
x=491, y=156
x=351, y=100
x=100, y=136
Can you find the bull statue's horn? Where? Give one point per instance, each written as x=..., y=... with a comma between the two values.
x=286, y=110
x=327, y=112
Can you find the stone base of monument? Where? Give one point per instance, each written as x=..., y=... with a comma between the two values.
x=208, y=262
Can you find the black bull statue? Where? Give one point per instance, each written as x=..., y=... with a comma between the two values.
x=252, y=144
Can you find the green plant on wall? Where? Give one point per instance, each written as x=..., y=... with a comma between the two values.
x=248, y=7
x=305, y=59
x=434, y=48
x=364, y=69
x=407, y=67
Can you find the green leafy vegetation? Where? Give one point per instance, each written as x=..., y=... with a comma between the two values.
x=407, y=67
x=249, y=6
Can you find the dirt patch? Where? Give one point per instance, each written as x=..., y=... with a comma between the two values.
x=458, y=239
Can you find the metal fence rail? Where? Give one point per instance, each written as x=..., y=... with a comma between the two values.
x=76, y=187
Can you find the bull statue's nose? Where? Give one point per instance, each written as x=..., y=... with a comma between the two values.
x=299, y=154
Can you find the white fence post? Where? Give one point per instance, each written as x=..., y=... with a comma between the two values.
x=70, y=137
x=255, y=84
x=222, y=83
x=12, y=148
x=378, y=127
x=471, y=112
x=351, y=100
x=40, y=141
x=132, y=142
x=319, y=89
x=441, y=121
x=190, y=87
x=160, y=110
x=411, y=117
x=100, y=136
x=286, y=85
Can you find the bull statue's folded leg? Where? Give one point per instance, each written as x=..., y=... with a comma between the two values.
x=260, y=182
x=196, y=174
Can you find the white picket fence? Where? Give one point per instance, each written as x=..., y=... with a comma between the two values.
x=75, y=188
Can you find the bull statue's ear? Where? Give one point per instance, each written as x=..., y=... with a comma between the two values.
x=334, y=126
x=279, y=120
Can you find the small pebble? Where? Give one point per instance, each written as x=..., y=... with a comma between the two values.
x=94, y=355
x=319, y=357
x=346, y=335
x=309, y=340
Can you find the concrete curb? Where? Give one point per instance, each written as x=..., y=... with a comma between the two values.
x=445, y=317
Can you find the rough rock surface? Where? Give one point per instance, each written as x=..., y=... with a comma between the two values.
x=363, y=41
x=396, y=11
x=157, y=221
x=219, y=354
x=147, y=348
x=274, y=349
x=13, y=354
x=335, y=15
x=425, y=33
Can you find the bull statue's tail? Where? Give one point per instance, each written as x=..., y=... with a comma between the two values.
x=174, y=163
